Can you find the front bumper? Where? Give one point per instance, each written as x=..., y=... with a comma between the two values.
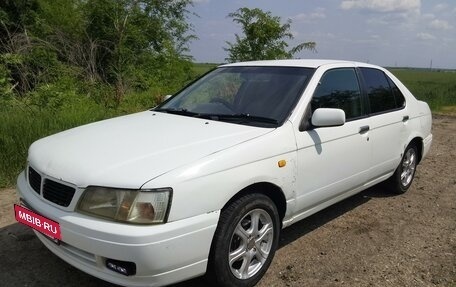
x=163, y=254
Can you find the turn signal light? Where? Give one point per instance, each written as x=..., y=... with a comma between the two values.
x=282, y=163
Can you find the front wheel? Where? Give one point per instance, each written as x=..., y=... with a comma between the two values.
x=245, y=241
x=402, y=178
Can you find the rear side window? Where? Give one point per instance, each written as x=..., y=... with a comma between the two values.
x=398, y=96
x=339, y=89
x=383, y=94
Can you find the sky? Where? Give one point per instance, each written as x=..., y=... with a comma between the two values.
x=393, y=33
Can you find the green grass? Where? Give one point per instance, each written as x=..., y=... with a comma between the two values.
x=201, y=68
x=437, y=88
x=22, y=123
x=54, y=109
x=22, y=126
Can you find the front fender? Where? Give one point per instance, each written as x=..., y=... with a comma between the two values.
x=208, y=184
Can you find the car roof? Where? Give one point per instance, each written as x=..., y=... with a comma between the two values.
x=307, y=63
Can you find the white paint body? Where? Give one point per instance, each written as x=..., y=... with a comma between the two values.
x=207, y=163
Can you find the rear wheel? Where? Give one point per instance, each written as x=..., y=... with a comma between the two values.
x=402, y=178
x=245, y=241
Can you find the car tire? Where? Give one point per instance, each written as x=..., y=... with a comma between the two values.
x=402, y=178
x=245, y=241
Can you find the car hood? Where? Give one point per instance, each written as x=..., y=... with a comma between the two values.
x=128, y=151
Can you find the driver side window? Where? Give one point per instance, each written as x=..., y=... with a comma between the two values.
x=339, y=88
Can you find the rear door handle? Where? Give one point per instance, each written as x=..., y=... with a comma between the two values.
x=363, y=129
x=405, y=118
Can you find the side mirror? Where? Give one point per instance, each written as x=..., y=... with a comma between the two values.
x=324, y=117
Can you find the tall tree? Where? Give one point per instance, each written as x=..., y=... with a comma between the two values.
x=264, y=37
x=131, y=34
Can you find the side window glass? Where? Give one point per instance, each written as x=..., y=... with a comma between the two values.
x=339, y=89
x=398, y=96
x=381, y=97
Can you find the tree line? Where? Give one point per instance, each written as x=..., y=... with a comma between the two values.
x=108, y=48
x=121, y=44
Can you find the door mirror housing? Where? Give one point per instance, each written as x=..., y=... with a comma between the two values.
x=325, y=117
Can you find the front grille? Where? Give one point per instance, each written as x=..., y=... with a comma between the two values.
x=34, y=180
x=58, y=193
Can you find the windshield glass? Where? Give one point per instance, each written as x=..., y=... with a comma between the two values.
x=261, y=96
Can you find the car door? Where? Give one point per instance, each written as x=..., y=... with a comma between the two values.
x=388, y=121
x=333, y=160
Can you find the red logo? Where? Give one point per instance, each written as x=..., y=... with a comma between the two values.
x=38, y=222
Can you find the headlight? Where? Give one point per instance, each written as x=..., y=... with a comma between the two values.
x=126, y=205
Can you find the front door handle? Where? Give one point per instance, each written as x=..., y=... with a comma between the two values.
x=405, y=118
x=363, y=129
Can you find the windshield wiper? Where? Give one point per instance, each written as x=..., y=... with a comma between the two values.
x=247, y=118
x=240, y=118
x=183, y=112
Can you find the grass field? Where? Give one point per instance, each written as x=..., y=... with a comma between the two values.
x=201, y=68
x=437, y=88
x=24, y=121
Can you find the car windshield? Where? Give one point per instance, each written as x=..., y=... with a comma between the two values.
x=260, y=96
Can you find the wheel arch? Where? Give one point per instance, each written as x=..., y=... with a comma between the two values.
x=274, y=192
x=418, y=142
x=268, y=189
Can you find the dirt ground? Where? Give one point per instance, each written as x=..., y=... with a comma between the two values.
x=371, y=239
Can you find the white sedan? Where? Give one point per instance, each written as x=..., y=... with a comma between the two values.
x=203, y=183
